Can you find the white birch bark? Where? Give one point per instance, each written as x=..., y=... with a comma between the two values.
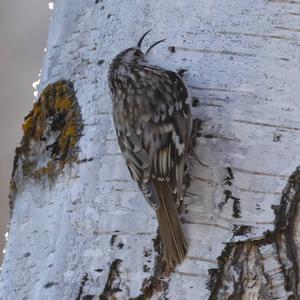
x=89, y=234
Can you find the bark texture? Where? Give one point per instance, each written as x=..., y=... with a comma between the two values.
x=80, y=229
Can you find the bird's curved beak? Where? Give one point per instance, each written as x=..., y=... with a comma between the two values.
x=153, y=45
x=139, y=44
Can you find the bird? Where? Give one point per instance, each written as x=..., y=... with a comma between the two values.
x=152, y=118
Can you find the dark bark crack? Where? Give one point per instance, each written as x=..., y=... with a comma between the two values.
x=242, y=265
x=82, y=284
x=157, y=282
x=113, y=282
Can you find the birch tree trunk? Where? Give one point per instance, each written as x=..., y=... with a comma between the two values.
x=80, y=228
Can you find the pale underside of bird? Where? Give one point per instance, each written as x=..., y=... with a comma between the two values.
x=152, y=117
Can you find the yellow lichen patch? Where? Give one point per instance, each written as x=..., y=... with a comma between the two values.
x=38, y=133
x=63, y=104
x=28, y=125
x=51, y=133
x=34, y=124
x=49, y=170
x=37, y=109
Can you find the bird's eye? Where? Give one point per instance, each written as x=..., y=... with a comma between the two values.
x=136, y=53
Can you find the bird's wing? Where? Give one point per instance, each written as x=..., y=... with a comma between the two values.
x=155, y=148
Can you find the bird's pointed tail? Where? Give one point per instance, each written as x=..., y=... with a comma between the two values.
x=170, y=227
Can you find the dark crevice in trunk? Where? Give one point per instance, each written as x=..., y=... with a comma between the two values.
x=113, y=282
x=157, y=282
x=82, y=284
x=243, y=265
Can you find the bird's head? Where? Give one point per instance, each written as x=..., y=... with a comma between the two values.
x=135, y=54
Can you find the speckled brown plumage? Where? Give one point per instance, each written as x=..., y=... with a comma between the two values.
x=152, y=117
